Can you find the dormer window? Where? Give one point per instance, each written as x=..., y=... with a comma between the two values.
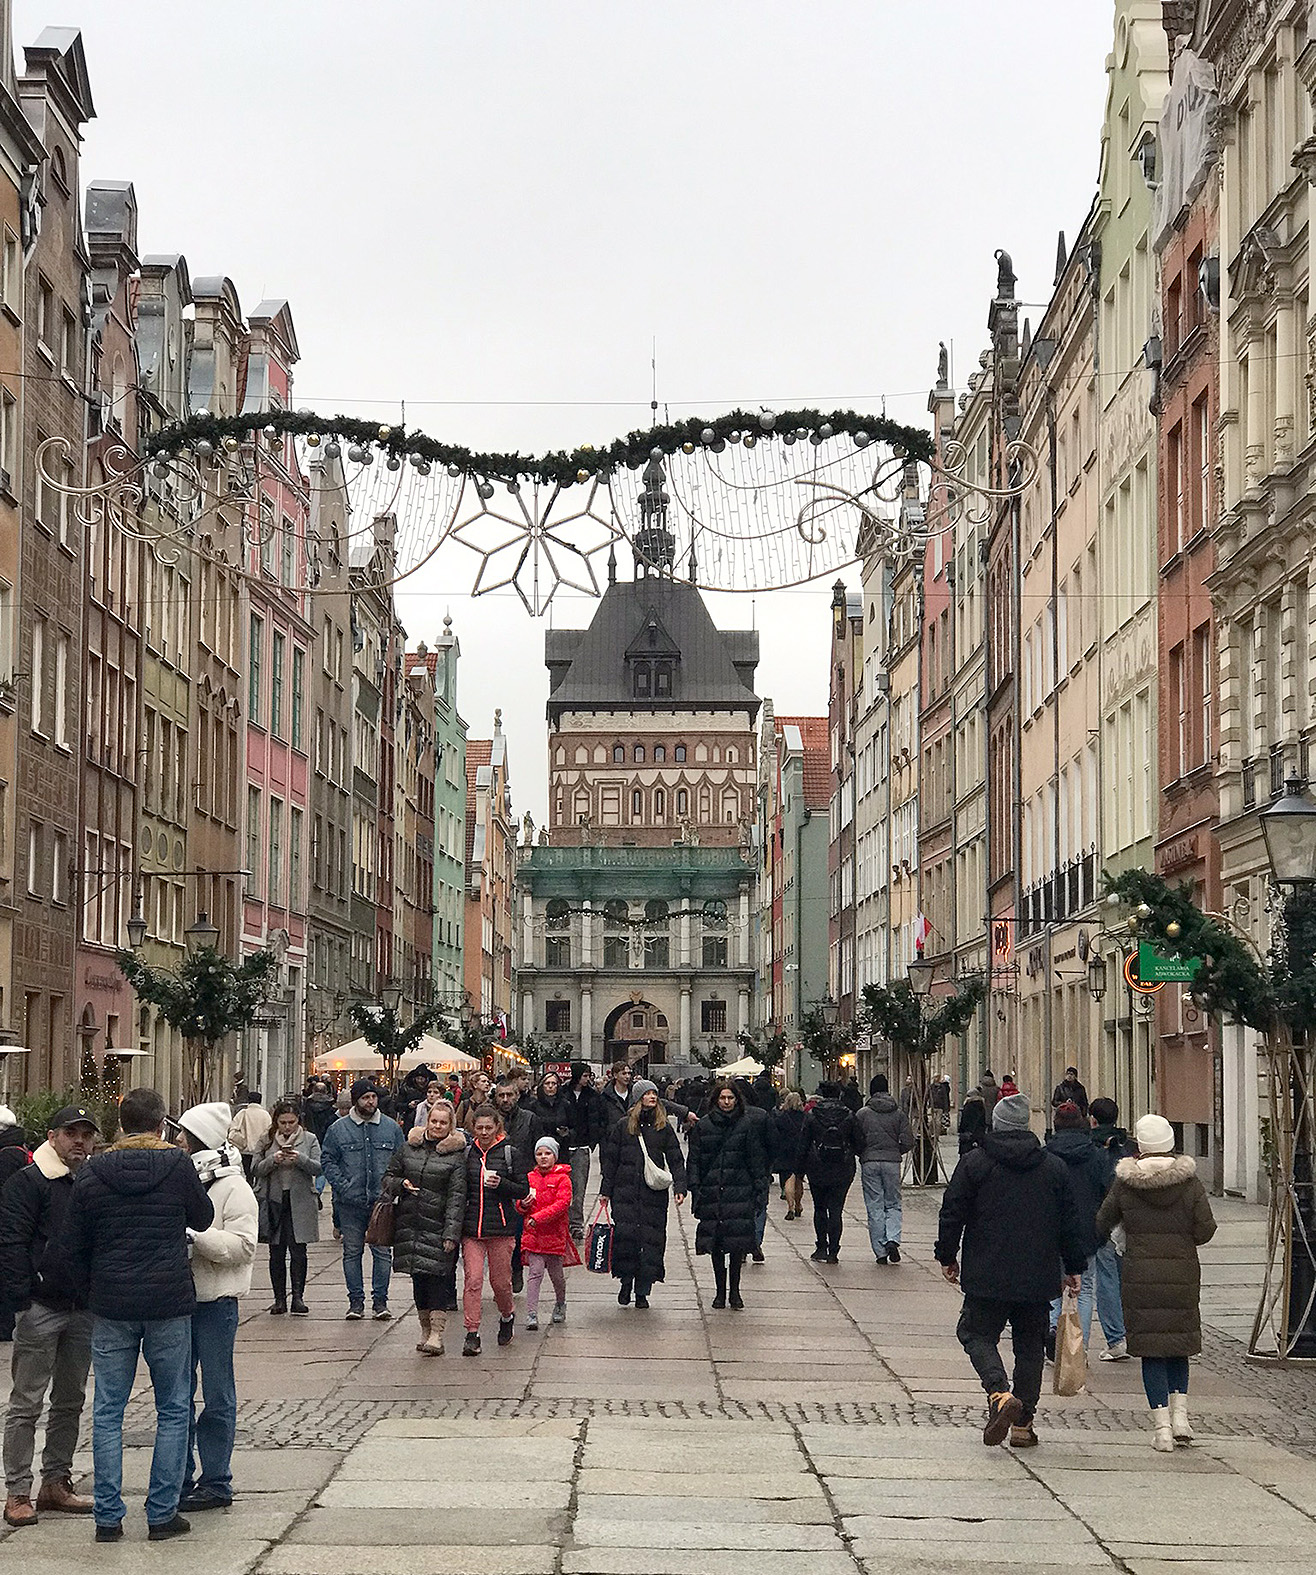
x=643, y=680
x=662, y=680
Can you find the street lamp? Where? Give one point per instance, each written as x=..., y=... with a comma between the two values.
x=1096, y=976
x=830, y=1010
x=136, y=925
x=202, y=935
x=391, y=997
x=1289, y=827
x=920, y=976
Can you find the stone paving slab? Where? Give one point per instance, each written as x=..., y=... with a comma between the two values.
x=629, y=1561
x=322, y=1559
x=596, y=1530
x=487, y=1526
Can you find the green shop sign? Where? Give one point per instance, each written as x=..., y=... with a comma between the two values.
x=1153, y=968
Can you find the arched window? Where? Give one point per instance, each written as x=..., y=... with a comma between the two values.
x=713, y=946
x=638, y=754
x=637, y=804
x=682, y=802
x=616, y=911
x=557, y=940
x=680, y=754
x=557, y=914
x=618, y=753
x=732, y=755
x=659, y=753
x=659, y=804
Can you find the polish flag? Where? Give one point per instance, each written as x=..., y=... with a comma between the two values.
x=922, y=929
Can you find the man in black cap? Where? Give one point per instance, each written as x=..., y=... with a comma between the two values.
x=52, y=1334
x=357, y=1151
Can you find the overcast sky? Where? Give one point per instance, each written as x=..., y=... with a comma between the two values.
x=490, y=210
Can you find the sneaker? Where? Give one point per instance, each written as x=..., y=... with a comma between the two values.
x=560, y=1313
x=757, y=1255
x=893, y=1252
x=195, y=1502
x=1119, y=1352
x=381, y=1315
x=177, y=1527
x=109, y=1533
x=1023, y=1436
x=532, y=1322
x=506, y=1329
x=818, y=1256
x=471, y=1347
x=1003, y=1412
x=299, y=1308
x=355, y=1313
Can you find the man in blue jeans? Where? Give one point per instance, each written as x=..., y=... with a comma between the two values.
x=1108, y=1267
x=221, y=1269
x=357, y=1150
x=884, y=1137
x=127, y=1234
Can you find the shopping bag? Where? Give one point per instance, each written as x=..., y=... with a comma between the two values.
x=571, y=1258
x=794, y=1193
x=1071, y=1364
x=599, y=1258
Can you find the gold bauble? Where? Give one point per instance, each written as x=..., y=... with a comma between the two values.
x=1174, y=929
x=383, y=434
x=582, y=475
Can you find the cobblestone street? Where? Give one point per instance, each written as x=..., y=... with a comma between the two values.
x=833, y=1426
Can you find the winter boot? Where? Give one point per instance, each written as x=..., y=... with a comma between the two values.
x=299, y=1309
x=433, y=1345
x=733, y=1297
x=279, y=1285
x=423, y=1319
x=1164, y=1437
x=720, y=1279
x=1179, y=1423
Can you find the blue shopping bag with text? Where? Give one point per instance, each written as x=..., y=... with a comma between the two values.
x=598, y=1260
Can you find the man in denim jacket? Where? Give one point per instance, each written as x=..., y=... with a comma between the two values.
x=357, y=1150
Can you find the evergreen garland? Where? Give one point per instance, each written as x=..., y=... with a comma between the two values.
x=381, y=1027
x=208, y=995
x=559, y=468
x=896, y=1014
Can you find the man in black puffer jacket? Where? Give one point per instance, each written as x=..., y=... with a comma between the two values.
x=1013, y=1205
x=131, y=1214
x=588, y=1124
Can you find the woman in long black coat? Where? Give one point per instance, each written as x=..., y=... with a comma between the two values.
x=728, y=1174
x=639, y=1211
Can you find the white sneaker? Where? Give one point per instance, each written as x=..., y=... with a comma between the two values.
x=532, y=1321
x=1119, y=1352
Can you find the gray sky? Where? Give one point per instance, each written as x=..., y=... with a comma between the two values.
x=489, y=210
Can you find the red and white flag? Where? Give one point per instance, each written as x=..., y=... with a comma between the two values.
x=922, y=929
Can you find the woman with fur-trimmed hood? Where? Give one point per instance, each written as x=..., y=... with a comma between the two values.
x=1159, y=1202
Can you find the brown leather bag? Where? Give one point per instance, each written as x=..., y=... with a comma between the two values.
x=383, y=1223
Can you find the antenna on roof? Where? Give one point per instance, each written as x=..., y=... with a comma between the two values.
x=653, y=367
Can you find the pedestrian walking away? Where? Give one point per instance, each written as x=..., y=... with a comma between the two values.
x=643, y=1168
x=826, y=1155
x=787, y=1120
x=428, y=1182
x=1010, y=1210
x=884, y=1136
x=1160, y=1203
x=588, y=1124
x=974, y=1122
x=52, y=1329
x=247, y=1131
x=319, y=1108
x=288, y=1166
x=1112, y=1141
x=222, y=1257
x=1072, y=1143
x=129, y=1216
x=545, y=1212
x=357, y=1152
x=494, y=1181
x=727, y=1172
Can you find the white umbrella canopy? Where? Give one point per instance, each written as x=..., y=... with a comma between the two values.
x=360, y=1056
x=747, y=1066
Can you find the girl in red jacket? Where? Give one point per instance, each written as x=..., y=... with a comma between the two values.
x=544, y=1235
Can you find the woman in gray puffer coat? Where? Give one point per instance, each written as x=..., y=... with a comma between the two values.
x=1160, y=1202
x=428, y=1180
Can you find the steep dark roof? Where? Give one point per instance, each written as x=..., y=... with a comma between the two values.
x=588, y=667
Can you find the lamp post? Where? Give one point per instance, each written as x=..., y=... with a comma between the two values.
x=919, y=973
x=201, y=935
x=1289, y=829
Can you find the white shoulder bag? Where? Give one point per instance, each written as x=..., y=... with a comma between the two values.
x=656, y=1176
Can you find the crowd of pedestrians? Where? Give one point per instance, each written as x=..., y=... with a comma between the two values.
x=143, y=1249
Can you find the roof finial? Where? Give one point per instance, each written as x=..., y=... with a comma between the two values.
x=612, y=564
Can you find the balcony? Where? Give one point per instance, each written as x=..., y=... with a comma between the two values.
x=688, y=860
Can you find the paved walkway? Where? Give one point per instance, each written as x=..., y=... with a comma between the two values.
x=830, y=1427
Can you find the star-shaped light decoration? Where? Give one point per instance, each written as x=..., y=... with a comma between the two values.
x=534, y=541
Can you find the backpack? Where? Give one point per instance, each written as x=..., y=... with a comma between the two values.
x=830, y=1147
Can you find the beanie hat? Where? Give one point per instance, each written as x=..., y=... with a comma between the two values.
x=1069, y=1118
x=209, y=1124
x=1011, y=1114
x=641, y=1087
x=1154, y=1135
x=363, y=1085
x=7, y=1117
x=546, y=1142
x=878, y=1083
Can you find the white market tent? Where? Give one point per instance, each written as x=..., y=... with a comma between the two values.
x=360, y=1056
x=747, y=1066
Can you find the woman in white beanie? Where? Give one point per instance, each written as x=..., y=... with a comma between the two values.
x=1162, y=1205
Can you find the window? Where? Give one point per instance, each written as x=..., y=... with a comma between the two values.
x=295, y=817
x=659, y=754
x=1180, y=702
x=68, y=348
x=715, y=951
x=274, y=892
x=557, y=951
x=277, y=643
x=659, y=804
x=557, y=1017
x=662, y=680
x=642, y=681
x=8, y=437
x=616, y=934
x=682, y=803
x=45, y=316
x=657, y=942
x=61, y=717
x=637, y=804
x=59, y=867
x=253, y=841
x=713, y=1017
x=298, y=694
x=11, y=273
x=679, y=754
x=34, y=858
x=253, y=668
x=38, y=675
x=638, y=754
x=1206, y=680
x=289, y=567
x=618, y=753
